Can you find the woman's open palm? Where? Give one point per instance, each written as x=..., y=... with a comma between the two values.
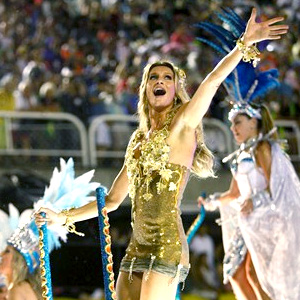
x=266, y=30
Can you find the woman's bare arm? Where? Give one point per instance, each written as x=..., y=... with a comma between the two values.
x=114, y=198
x=255, y=32
x=232, y=193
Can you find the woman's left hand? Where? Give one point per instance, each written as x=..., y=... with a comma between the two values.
x=266, y=30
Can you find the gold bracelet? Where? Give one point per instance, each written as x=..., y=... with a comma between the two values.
x=69, y=224
x=250, y=53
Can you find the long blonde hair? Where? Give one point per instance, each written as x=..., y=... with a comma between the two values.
x=21, y=273
x=266, y=123
x=203, y=157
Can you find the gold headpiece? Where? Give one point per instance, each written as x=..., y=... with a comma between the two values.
x=182, y=77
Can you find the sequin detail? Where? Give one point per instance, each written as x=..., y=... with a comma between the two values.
x=155, y=189
x=154, y=158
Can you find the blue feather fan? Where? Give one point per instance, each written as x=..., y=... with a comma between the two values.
x=64, y=192
x=245, y=84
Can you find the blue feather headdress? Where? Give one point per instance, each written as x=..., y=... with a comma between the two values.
x=64, y=192
x=246, y=83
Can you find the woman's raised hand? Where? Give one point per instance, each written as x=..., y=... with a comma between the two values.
x=266, y=30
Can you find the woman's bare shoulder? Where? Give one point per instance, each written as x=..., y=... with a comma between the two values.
x=264, y=147
x=180, y=118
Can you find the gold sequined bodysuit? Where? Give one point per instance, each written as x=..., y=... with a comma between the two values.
x=158, y=240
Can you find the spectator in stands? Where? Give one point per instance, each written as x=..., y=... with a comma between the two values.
x=25, y=100
x=49, y=134
x=203, y=269
x=156, y=170
x=74, y=99
x=7, y=101
x=203, y=243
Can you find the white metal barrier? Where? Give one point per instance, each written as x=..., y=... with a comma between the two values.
x=101, y=136
x=217, y=134
x=12, y=123
x=108, y=135
x=292, y=134
x=218, y=137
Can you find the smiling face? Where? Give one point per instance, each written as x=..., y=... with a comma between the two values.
x=243, y=128
x=160, y=88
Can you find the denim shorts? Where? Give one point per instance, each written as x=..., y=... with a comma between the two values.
x=144, y=265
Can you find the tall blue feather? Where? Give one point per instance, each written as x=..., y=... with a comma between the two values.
x=213, y=45
x=64, y=192
x=240, y=82
x=219, y=33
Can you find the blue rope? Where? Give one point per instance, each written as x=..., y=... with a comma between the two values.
x=108, y=275
x=48, y=295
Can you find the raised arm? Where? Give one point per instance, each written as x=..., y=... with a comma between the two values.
x=114, y=198
x=255, y=32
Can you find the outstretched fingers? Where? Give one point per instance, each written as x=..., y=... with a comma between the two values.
x=274, y=20
x=279, y=27
x=276, y=33
x=253, y=14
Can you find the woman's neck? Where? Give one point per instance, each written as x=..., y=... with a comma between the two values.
x=157, y=119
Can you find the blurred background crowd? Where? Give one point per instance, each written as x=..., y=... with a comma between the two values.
x=86, y=57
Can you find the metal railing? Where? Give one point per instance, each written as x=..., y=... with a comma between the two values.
x=291, y=133
x=63, y=134
x=110, y=146
x=45, y=134
x=217, y=134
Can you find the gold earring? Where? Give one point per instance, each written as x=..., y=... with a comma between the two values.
x=182, y=78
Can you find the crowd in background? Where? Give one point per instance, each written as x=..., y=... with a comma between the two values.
x=85, y=57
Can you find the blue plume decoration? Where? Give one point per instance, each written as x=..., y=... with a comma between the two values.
x=219, y=49
x=235, y=23
x=246, y=83
x=65, y=192
x=223, y=36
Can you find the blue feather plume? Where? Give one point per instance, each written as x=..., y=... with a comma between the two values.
x=235, y=23
x=65, y=192
x=216, y=47
x=223, y=36
x=245, y=83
